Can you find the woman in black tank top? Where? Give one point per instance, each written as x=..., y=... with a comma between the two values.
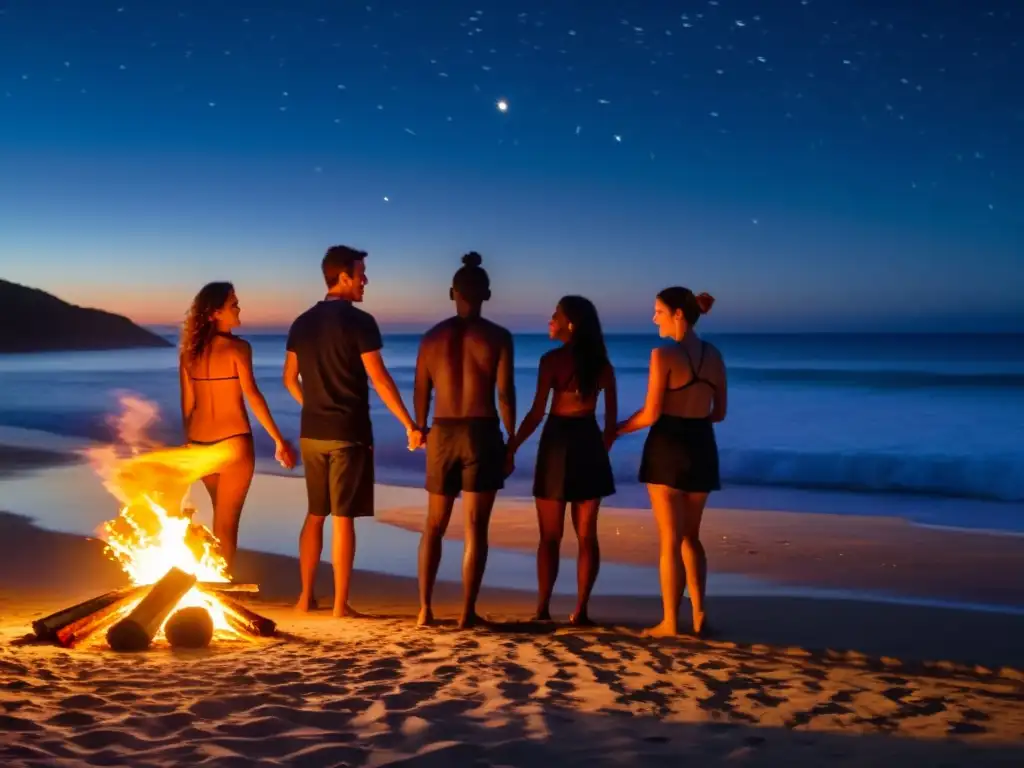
x=686, y=395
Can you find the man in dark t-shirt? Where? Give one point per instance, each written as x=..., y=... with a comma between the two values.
x=333, y=353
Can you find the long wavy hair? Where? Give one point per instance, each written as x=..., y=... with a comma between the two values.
x=589, y=353
x=200, y=327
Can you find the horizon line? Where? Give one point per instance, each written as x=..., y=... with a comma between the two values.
x=280, y=330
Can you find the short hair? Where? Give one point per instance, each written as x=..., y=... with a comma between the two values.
x=471, y=280
x=339, y=259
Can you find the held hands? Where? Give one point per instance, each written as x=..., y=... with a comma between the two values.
x=609, y=439
x=285, y=454
x=417, y=438
x=510, y=460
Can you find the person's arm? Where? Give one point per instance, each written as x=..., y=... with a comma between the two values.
x=507, y=385
x=370, y=343
x=291, y=376
x=188, y=395
x=718, y=405
x=535, y=415
x=422, y=389
x=251, y=390
x=386, y=388
x=283, y=451
x=611, y=406
x=652, y=403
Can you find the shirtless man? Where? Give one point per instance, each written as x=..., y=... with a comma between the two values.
x=464, y=359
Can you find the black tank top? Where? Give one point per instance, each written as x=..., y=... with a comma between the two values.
x=695, y=377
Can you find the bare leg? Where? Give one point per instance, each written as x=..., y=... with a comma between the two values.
x=588, y=561
x=694, y=558
x=311, y=545
x=343, y=556
x=551, y=520
x=476, y=509
x=232, y=487
x=210, y=481
x=666, y=503
x=439, y=512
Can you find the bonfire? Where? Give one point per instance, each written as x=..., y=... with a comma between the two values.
x=177, y=578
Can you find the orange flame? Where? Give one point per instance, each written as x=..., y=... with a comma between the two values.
x=154, y=531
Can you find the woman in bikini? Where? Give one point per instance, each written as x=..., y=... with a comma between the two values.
x=686, y=395
x=572, y=460
x=216, y=374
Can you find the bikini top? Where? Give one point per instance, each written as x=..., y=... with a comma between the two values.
x=215, y=378
x=569, y=385
x=695, y=377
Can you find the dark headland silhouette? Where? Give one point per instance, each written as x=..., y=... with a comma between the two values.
x=35, y=321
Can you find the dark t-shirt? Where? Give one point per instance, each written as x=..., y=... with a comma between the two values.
x=328, y=340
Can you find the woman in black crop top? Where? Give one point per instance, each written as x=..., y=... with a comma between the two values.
x=573, y=468
x=686, y=395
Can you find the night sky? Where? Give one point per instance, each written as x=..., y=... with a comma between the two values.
x=814, y=164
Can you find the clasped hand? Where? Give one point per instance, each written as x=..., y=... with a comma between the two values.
x=417, y=438
x=285, y=454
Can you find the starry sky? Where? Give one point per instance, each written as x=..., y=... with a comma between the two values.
x=815, y=164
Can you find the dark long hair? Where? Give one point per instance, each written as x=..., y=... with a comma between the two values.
x=589, y=353
x=200, y=328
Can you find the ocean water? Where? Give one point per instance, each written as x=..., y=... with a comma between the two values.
x=928, y=427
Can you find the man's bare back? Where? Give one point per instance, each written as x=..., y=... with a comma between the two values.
x=466, y=361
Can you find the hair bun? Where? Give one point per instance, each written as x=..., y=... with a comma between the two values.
x=705, y=301
x=472, y=259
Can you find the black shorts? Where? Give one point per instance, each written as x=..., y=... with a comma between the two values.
x=465, y=455
x=572, y=463
x=339, y=477
x=682, y=454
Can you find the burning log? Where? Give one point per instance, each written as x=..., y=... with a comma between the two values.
x=245, y=620
x=189, y=628
x=227, y=586
x=75, y=632
x=47, y=627
x=135, y=631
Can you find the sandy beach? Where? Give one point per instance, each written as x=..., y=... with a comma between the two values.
x=792, y=681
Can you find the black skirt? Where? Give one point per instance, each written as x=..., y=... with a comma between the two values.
x=572, y=463
x=681, y=453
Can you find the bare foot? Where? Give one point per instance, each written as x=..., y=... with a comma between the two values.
x=580, y=619
x=701, y=626
x=664, y=629
x=426, y=618
x=347, y=612
x=468, y=620
x=306, y=604
x=542, y=614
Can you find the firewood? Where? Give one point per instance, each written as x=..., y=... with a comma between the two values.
x=227, y=586
x=245, y=619
x=135, y=632
x=74, y=633
x=47, y=627
x=189, y=628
